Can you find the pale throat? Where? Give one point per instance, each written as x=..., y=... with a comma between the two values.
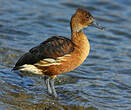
x=78, y=37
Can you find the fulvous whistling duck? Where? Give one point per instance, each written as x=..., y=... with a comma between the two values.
x=59, y=54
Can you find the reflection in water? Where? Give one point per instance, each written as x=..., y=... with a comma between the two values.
x=102, y=82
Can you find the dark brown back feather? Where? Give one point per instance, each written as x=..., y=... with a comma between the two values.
x=54, y=47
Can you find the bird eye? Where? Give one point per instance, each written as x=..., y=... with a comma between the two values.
x=87, y=16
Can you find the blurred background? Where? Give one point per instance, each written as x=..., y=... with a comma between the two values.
x=102, y=82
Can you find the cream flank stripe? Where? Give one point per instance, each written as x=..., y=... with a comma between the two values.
x=50, y=61
x=42, y=63
x=31, y=68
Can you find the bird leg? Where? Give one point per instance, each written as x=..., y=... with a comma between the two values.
x=47, y=83
x=53, y=88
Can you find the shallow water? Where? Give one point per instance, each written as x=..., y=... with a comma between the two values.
x=102, y=82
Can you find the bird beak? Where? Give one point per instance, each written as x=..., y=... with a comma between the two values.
x=95, y=24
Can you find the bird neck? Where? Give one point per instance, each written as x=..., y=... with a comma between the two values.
x=82, y=46
x=78, y=38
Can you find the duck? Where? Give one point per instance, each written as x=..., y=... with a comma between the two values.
x=58, y=54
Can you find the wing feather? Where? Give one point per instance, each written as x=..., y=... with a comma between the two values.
x=54, y=47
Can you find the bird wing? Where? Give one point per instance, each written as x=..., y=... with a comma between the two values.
x=53, y=47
